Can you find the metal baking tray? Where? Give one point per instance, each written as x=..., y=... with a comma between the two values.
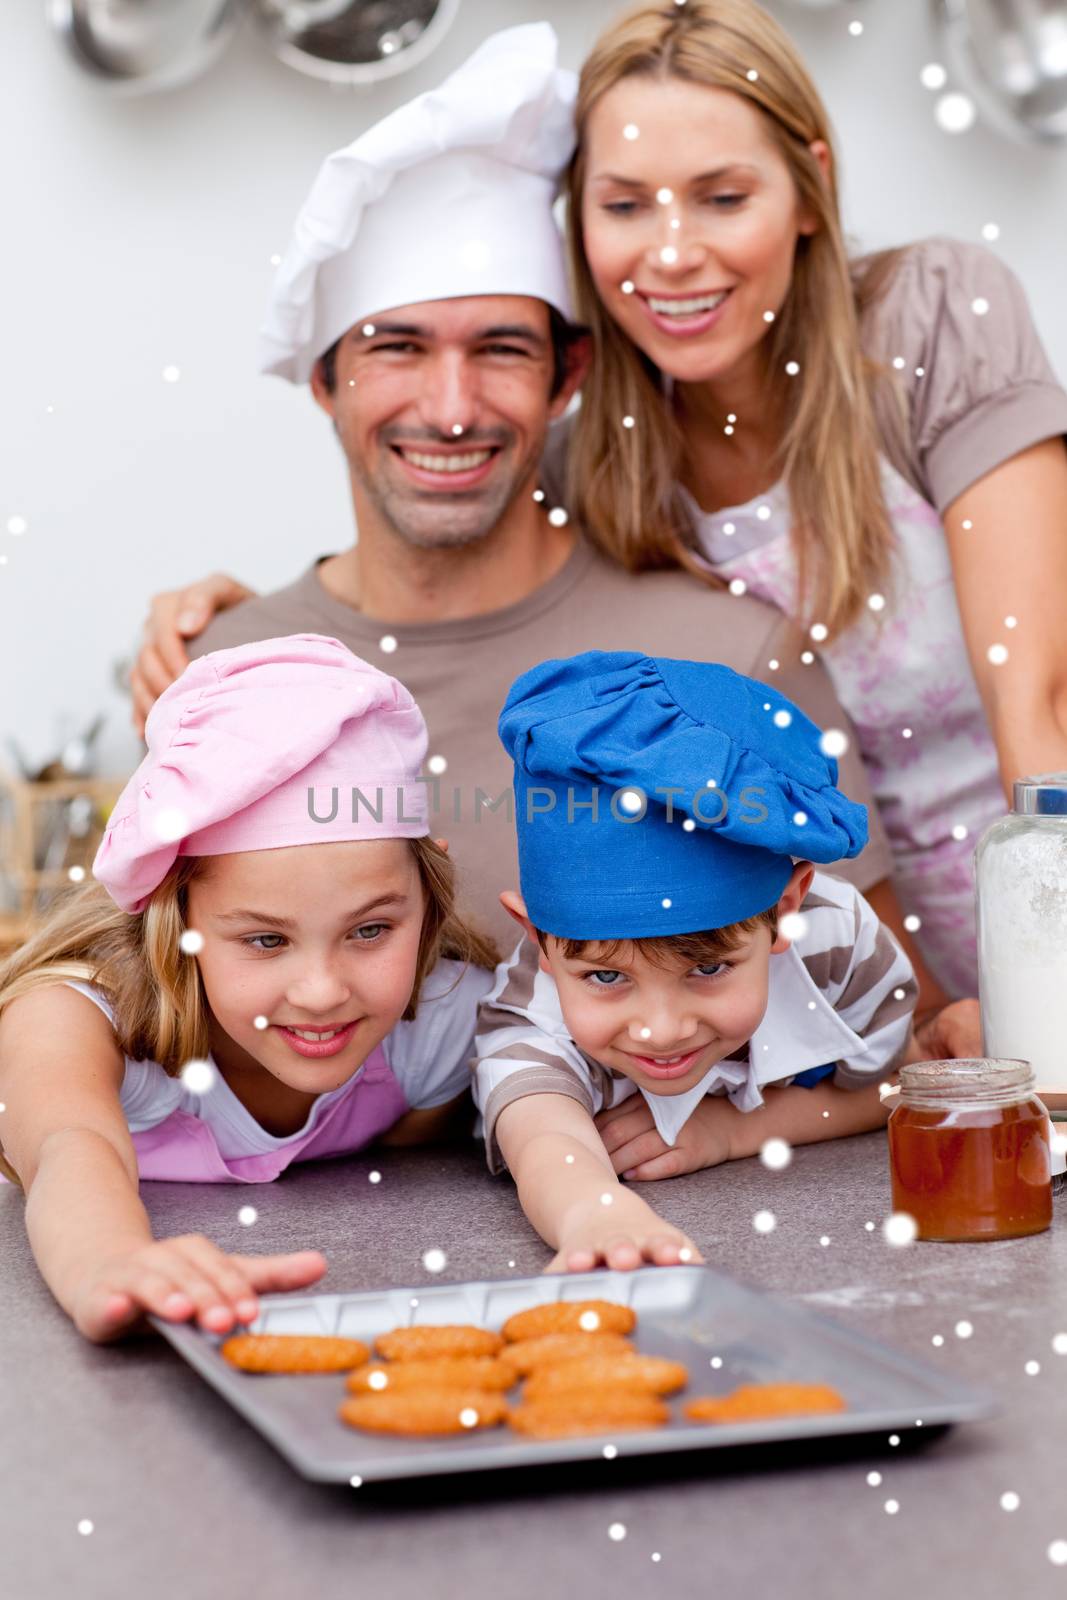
x=692, y=1314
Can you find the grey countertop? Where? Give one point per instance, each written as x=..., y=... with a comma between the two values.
x=187, y=1501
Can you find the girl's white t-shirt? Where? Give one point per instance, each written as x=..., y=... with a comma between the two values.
x=429, y=1056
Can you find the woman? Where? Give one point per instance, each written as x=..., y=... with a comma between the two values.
x=872, y=446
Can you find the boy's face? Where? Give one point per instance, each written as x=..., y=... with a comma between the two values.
x=663, y=1026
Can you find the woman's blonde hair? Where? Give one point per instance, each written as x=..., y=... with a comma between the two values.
x=624, y=487
x=155, y=990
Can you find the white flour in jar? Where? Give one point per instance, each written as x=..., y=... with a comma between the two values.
x=1022, y=939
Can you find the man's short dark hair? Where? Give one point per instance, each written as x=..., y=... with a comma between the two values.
x=564, y=335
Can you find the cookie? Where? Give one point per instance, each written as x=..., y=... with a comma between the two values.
x=429, y=1342
x=759, y=1402
x=528, y=1355
x=569, y=1316
x=444, y=1372
x=565, y=1416
x=629, y=1373
x=420, y=1411
x=292, y=1352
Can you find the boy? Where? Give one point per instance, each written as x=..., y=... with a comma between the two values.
x=675, y=947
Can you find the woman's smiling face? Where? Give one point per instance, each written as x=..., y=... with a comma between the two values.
x=689, y=203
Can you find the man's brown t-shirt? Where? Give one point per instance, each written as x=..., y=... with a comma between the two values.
x=460, y=672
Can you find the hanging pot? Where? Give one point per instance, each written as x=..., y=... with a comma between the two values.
x=1011, y=57
x=139, y=46
x=354, y=41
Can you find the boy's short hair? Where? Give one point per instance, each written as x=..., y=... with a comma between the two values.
x=707, y=947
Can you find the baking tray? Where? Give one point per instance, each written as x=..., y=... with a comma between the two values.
x=691, y=1314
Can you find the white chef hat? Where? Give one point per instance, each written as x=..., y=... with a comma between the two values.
x=449, y=195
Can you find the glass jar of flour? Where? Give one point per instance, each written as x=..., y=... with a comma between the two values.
x=1021, y=872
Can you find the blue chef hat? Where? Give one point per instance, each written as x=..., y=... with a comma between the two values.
x=660, y=797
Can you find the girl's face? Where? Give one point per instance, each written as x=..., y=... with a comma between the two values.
x=320, y=940
x=688, y=202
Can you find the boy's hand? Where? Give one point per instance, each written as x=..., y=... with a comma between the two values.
x=182, y=1278
x=952, y=1034
x=621, y=1236
x=637, y=1150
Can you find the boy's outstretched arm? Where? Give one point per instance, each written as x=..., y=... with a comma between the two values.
x=571, y=1195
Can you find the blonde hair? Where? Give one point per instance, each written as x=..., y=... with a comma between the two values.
x=156, y=992
x=625, y=488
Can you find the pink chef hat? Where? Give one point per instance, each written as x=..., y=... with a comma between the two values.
x=281, y=742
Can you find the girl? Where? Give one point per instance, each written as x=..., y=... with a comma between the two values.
x=872, y=446
x=268, y=970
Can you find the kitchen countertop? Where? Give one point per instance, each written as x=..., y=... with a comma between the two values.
x=187, y=1501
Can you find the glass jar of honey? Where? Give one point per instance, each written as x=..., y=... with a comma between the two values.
x=969, y=1150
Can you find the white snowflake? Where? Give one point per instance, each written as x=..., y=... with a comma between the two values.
x=434, y=1260
x=776, y=1154
x=171, y=825
x=247, y=1216
x=198, y=1076
x=955, y=113
x=191, y=942
x=900, y=1228
x=765, y=1222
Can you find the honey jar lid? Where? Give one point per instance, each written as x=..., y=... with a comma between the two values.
x=982, y=1079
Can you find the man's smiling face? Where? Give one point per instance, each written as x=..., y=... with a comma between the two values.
x=442, y=410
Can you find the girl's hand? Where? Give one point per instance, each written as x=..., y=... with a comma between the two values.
x=622, y=1237
x=637, y=1151
x=183, y=1278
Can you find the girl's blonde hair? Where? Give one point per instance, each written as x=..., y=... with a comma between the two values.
x=624, y=487
x=155, y=990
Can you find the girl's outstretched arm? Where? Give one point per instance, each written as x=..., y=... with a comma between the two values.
x=571, y=1195
x=65, y=1135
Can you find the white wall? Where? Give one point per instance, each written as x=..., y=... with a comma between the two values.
x=137, y=233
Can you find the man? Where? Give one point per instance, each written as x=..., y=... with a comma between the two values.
x=425, y=298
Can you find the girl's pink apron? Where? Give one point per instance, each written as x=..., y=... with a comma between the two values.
x=182, y=1149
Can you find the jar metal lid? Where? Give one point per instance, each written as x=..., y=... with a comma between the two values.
x=1044, y=795
x=984, y=1079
